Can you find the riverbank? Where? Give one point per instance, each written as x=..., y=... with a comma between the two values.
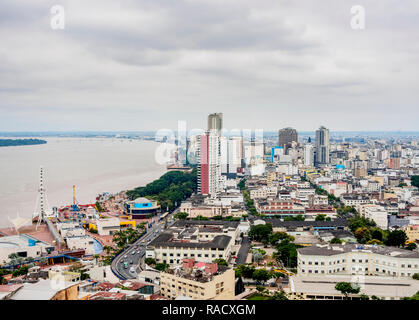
x=20, y=142
x=94, y=166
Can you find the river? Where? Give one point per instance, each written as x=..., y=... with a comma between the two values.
x=94, y=165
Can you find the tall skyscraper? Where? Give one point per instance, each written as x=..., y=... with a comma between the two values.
x=208, y=160
x=309, y=154
x=215, y=122
x=224, y=154
x=286, y=136
x=322, y=146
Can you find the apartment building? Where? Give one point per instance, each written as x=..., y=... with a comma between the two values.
x=354, y=200
x=278, y=207
x=198, y=281
x=263, y=192
x=207, y=211
x=374, y=212
x=412, y=232
x=201, y=240
x=355, y=259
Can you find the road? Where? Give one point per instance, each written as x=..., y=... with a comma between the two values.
x=135, y=252
x=243, y=251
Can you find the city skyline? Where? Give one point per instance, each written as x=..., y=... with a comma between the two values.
x=139, y=65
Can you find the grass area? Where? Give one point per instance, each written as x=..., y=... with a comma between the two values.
x=257, y=296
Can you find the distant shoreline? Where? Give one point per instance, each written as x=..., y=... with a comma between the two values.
x=20, y=142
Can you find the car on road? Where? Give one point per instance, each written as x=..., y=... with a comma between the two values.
x=131, y=262
x=133, y=252
x=132, y=269
x=125, y=256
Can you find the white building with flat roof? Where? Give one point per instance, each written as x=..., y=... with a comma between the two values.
x=23, y=245
x=353, y=259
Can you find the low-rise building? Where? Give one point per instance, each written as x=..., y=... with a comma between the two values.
x=320, y=287
x=141, y=208
x=198, y=281
x=354, y=200
x=355, y=259
x=412, y=232
x=108, y=226
x=23, y=245
x=201, y=240
x=86, y=243
x=207, y=211
x=374, y=212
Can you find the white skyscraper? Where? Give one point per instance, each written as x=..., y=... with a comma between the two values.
x=209, y=164
x=309, y=154
x=224, y=154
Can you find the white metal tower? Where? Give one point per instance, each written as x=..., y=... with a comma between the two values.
x=42, y=210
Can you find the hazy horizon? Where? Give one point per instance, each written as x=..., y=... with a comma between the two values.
x=145, y=64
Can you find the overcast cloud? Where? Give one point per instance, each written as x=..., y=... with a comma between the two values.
x=144, y=64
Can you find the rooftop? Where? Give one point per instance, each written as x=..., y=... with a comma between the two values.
x=371, y=285
x=167, y=239
x=332, y=249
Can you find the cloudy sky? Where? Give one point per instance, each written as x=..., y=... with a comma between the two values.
x=144, y=64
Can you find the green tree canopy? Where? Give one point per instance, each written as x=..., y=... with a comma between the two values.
x=396, y=238
x=346, y=288
x=260, y=232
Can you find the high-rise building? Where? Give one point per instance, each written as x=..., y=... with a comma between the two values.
x=322, y=146
x=209, y=164
x=224, y=154
x=215, y=122
x=230, y=155
x=253, y=152
x=309, y=154
x=238, y=142
x=286, y=136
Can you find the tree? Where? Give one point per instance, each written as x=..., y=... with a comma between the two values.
x=377, y=234
x=261, y=275
x=374, y=241
x=362, y=234
x=298, y=217
x=411, y=246
x=257, y=257
x=336, y=241
x=396, y=238
x=260, y=288
x=287, y=253
x=358, y=222
x=220, y=262
x=244, y=271
x=181, y=215
x=275, y=237
x=20, y=271
x=415, y=181
x=161, y=266
x=150, y=261
x=279, y=296
x=201, y=218
x=416, y=276
x=260, y=232
x=346, y=288
x=320, y=217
